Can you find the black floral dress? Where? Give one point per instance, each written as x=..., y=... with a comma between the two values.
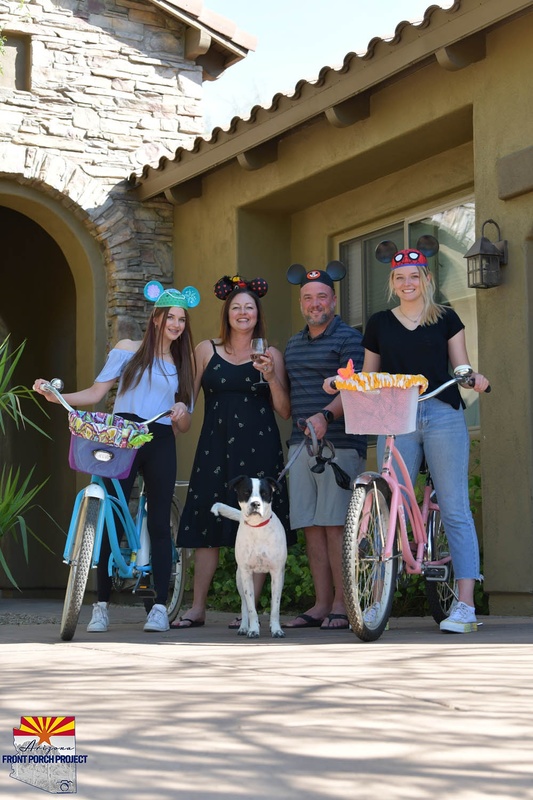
x=239, y=436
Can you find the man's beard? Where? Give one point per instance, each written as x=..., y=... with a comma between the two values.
x=321, y=320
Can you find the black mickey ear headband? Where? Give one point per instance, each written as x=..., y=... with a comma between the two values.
x=388, y=253
x=226, y=285
x=298, y=274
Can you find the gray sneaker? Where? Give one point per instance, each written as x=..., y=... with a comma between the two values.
x=100, y=619
x=157, y=619
x=462, y=619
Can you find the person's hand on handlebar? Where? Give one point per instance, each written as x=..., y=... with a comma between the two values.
x=37, y=387
x=478, y=382
x=180, y=417
x=327, y=385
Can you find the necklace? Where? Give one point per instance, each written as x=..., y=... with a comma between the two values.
x=414, y=321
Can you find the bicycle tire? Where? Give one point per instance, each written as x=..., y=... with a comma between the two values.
x=441, y=595
x=82, y=552
x=179, y=566
x=369, y=583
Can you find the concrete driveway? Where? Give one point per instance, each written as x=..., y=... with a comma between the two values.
x=204, y=714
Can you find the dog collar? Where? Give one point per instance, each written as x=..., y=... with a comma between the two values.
x=261, y=524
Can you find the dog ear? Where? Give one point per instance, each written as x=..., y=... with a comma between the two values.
x=274, y=485
x=234, y=482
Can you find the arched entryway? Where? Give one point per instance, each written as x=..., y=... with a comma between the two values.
x=53, y=295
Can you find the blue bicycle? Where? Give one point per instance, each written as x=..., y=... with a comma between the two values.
x=104, y=446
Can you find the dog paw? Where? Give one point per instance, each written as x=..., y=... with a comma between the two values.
x=242, y=631
x=215, y=509
x=253, y=633
x=278, y=634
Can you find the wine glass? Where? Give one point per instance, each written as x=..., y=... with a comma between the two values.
x=259, y=348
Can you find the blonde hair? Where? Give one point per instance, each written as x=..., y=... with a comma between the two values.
x=432, y=311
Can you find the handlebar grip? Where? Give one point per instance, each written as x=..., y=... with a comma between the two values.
x=472, y=382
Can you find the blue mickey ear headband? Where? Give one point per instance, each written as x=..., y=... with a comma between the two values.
x=156, y=293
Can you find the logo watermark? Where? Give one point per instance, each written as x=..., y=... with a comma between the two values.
x=45, y=754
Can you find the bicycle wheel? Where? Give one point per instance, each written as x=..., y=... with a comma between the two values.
x=82, y=552
x=178, y=575
x=440, y=594
x=369, y=581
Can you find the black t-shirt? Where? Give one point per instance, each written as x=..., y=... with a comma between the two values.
x=423, y=351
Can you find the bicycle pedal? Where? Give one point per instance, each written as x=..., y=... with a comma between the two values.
x=436, y=573
x=143, y=588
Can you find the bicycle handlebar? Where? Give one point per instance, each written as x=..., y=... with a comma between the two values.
x=56, y=384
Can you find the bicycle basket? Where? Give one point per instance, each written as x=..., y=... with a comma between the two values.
x=104, y=444
x=380, y=403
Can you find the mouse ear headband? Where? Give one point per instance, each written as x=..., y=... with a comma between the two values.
x=298, y=274
x=156, y=293
x=388, y=253
x=226, y=285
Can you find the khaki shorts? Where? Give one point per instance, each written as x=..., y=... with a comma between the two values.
x=315, y=498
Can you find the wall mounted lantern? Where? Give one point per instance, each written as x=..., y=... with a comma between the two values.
x=484, y=260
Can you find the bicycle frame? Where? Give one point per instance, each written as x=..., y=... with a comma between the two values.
x=111, y=509
x=404, y=510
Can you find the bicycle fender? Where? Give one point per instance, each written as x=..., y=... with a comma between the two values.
x=93, y=490
x=365, y=478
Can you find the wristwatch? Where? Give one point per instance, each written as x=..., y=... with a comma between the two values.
x=328, y=415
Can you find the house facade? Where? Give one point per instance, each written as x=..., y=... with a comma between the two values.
x=89, y=91
x=427, y=133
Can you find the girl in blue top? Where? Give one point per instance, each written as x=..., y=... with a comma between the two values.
x=153, y=375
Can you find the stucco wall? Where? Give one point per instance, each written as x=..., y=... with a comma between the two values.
x=432, y=137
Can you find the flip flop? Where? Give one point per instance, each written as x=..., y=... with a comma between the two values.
x=309, y=622
x=236, y=624
x=193, y=623
x=337, y=627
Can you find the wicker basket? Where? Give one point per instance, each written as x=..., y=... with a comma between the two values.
x=380, y=411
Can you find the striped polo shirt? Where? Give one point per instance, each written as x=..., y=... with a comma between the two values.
x=309, y=361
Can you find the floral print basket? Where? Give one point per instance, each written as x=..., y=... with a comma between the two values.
x=380, y=403
x=104, y=444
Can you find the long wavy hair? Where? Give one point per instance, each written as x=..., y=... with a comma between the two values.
x=432, y=311
x=225, y=328
x=181, y=350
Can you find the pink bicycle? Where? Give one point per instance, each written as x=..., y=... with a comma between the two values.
x=387, y=532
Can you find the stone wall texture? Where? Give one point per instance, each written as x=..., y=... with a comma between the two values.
x=110, y=92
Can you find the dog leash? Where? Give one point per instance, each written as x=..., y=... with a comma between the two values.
x=316, y=448
x=308, y=439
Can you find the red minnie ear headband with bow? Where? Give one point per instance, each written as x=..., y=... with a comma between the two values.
x=388, y=253
x=226, y=285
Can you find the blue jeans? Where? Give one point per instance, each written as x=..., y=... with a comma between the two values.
x=442, y=435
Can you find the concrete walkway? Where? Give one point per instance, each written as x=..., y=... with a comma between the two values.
x=204, y=714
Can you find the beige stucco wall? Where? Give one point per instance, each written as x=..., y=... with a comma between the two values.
x=432, y=137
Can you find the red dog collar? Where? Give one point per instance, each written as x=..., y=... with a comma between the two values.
x=261, y=524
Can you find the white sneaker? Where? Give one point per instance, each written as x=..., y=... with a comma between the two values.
x=462, y=619
x=100, y=619
x=370, y=616
x=157, y=619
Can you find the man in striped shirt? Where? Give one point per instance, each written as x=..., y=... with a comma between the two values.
x=317, y=503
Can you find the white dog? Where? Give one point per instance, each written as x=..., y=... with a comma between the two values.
x=261, y=546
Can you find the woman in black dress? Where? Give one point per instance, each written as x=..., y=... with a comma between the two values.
x=239, y=435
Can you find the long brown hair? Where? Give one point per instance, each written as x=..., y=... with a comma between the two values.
x=225, y=328
x=181, y=350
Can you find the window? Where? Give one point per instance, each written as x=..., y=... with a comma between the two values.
x=365, y=288
x=15, y=72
